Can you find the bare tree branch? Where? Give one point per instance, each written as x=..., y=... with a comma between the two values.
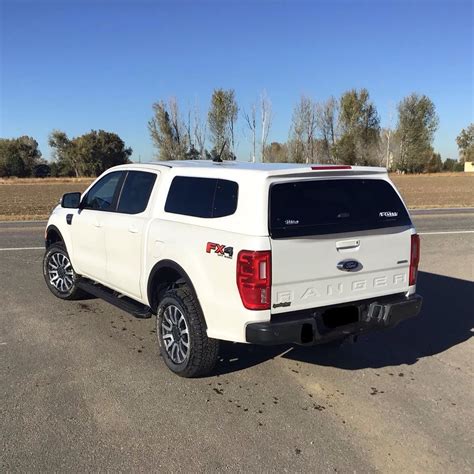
x=266, y=114
x=252, y=124
x=200, y=132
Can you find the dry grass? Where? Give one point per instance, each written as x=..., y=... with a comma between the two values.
x=33, y=199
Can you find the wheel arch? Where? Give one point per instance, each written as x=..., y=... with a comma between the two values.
x=163, y=275
x=52, y=236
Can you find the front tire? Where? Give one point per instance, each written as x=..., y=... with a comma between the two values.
x=182, y=336
x=59, y=275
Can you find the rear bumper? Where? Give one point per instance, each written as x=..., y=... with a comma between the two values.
x=318, y=326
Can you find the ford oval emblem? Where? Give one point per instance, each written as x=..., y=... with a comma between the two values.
x=349, y=266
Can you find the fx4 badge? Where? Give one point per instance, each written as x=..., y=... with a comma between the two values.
x=221, y=250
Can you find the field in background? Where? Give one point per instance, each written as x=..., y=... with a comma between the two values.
x=33, y=199
x=436, y=190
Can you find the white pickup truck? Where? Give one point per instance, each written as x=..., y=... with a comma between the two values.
x=252, y=253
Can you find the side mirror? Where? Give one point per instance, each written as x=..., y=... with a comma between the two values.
x=71, y=200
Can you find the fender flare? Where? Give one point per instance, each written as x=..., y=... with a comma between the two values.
x=52, y=227
x=171, y=264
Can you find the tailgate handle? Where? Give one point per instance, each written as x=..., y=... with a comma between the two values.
x=347, y=244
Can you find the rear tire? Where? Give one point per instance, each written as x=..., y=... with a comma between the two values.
x=182, y=336
x=59, y=275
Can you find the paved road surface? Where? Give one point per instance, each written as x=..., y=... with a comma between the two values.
x=83, y=388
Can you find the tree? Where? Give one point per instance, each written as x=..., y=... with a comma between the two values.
x=277, y=153
x=168, y=131
x=98, y=151
x=19, y=156
x=345, y=150
x=296, y=149
x=27, y=149
x=465, y=141
x=303, y=130
x=452, y=165
x=42, y=170
x=435, y=164
x=192, y=153
x=389, y=145
x=55, y=169
x=449, y=164
x=326, y=123
x=222, y=117
x=417, y=124
x=15, y=166
x=251, y=120
x=389, y=148
x=68, y=163
x=360, y=127
x=89, y=154
x=6, y=150
x=266, y=114
x=199, y=132
x=233, y=113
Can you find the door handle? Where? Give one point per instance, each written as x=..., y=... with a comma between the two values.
x=347, y=244
x=132, y=229
x=97, y=224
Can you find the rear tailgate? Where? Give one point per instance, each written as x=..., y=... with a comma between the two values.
x=335, y=240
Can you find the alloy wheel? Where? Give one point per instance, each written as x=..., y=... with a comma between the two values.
x=175, y=334
x=60, y=272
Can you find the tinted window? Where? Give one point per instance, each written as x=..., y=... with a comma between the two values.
x=136, y=192
x=202, y=197
x=103, y=194
x=333, y=206
x=225, y=200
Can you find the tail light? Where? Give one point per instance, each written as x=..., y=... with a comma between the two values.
x=414, y=258
x=254, y=278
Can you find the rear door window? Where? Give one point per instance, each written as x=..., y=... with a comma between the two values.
x=318, y=207
x=136, y=192
x=202, y=197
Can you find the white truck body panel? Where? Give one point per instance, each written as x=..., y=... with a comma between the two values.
x=308, y=277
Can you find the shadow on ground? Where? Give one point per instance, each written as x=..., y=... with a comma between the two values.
x=446, y=320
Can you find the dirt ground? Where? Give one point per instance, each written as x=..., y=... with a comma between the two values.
x=436, y=190
x=33, y=199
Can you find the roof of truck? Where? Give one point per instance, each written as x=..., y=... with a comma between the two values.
x=268, y=169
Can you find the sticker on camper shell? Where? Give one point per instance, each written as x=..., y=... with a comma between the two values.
x=388, y=214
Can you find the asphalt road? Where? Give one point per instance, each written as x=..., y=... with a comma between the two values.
x=83, y=387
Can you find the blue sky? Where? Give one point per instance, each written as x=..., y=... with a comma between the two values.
x=82, y=65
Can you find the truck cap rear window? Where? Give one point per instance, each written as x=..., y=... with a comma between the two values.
x=304, y=208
